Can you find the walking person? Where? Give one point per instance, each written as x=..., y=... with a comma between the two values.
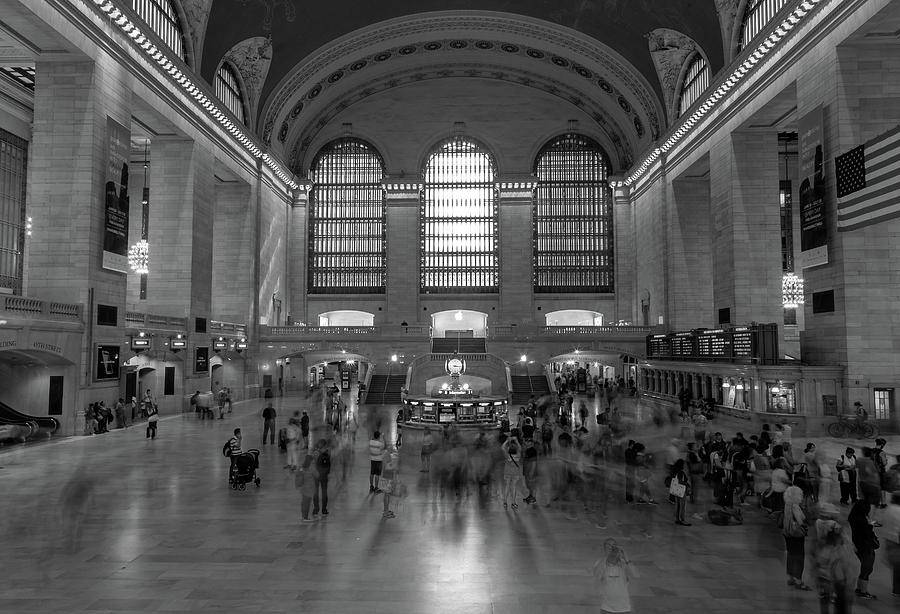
x=834, y=562
x=630, y=470
x=794, y=532
x=891, y=521
x=865, y=542
x=376, y=457
x=305, y=480
x=304, y=430
x=427, y=449
x=268, y=415
x=120, y=414
x=152, y=421
x=613, y=571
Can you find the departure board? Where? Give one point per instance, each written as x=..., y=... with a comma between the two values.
x=753, y=343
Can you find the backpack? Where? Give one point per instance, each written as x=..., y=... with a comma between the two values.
x=323, y=462
x=878, y=457
x=226, y=449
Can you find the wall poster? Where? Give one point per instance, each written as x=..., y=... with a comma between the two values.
x=201, y=359
x=115, y=198
x=107, y=362
x=813, y=226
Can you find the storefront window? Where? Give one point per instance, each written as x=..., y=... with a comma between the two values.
x=780, y=398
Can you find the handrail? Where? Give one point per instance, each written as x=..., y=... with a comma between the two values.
x=316, y=332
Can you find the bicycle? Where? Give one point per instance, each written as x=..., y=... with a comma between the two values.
x=847, y=425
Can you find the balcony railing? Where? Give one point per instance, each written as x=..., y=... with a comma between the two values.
x=227, y=328
x=136, y=319
x=500, y=332
x=44, y=310
x=347, y=332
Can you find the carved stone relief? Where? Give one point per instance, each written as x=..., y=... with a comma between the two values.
x=728, y=21
x=252, y=58
x=197, y=13
x=670, y=50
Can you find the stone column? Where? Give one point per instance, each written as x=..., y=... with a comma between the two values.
x=181, y=228
x=690, y=255
x=746, y=229
x=298, y=251
x=516, y=242
x=403, y=262
x=625, y=283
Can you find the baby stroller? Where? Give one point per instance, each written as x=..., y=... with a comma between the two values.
x=243, y=470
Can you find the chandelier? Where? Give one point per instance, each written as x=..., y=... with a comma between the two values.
x=791, y=291
x=139, y=257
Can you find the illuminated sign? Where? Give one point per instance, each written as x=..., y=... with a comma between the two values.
x=178, y=344
x=220, y=345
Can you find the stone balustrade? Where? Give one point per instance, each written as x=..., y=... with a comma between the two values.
x=23, y=306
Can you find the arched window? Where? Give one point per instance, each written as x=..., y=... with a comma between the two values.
x=346, y=220
x=459, y=220
x=573, y=220
x=757, y=16
x=14, y=225
x=228, y=90
x=162, y=18
x=696, y=80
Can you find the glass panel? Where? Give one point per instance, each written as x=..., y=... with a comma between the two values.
x=696, y=80
x=228, y=90
x=459, y=218
x=22, y=74
x=347, y=253
x=572, y=217
x=883, y=402
x=13, y=161
x=162, y=18
x=759, y=14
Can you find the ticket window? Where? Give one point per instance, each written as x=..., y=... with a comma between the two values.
x=781, y=398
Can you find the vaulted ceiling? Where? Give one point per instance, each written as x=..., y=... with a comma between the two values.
x=303, y=62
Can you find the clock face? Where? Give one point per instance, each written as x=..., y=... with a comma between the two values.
x=454, y=365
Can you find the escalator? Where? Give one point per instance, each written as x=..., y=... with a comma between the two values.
x=19, y=426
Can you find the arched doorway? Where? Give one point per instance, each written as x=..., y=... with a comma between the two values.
x=459, y=323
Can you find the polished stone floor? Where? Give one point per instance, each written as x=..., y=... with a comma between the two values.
x=117, y=523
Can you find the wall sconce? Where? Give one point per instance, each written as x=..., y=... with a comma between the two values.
x=726, y=384
x=523, y=358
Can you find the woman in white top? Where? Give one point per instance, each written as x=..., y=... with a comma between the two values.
x=512, y=471
x=613, y=572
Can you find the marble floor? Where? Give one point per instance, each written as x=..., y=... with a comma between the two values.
x=117, y=523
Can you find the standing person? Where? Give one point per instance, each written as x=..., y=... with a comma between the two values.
x=846, y=468
x=643, y=475
x=868, y=477
x=891, y=521
x=152, y=420
x=834, y=562
x=512, y=472
x=392, y=473
x=399, y=428
x=376, y=457
x=221, y=396
x=529, y=469
x=583, y=413
x=89, y=424
x=794, y=531
x=120, y=414
x=322, y=456
x=268, y=415
x=547, y=437
x=304, y=429
x=680, y=489
x=865, y=542
x=292, y=442
x=613, y=571
x=305, y=480
x=427, y=449
x=352, y=426
x=880, y=458
x=630, y=470
x=228, y=400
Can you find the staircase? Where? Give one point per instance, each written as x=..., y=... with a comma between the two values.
x=385, y=389
x=461, y=345
x=523, y=386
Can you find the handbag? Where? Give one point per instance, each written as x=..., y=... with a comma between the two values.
x=385, y=485
x=677, y=489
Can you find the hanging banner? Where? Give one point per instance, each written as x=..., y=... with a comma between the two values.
x=115, y=199
x=813, y=227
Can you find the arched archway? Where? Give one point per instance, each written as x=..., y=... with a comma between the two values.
x=457, y=323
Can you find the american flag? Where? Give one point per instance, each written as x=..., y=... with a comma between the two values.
x=868, y=182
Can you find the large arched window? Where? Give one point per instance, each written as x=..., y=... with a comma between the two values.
x=757, y=16
x=573, y=221
x=162, y=17
x=13, y=223
x=459, y=220
x=228, y=90
x=696, y=80
x=346, y=220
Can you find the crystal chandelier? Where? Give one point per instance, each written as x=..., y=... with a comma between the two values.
x=139, y=257
x=791, y=291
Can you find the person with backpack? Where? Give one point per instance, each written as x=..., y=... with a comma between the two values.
x=794, y=529
x=322, y=456
x=268, y=415
x=880, y=458
x=292, y=441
